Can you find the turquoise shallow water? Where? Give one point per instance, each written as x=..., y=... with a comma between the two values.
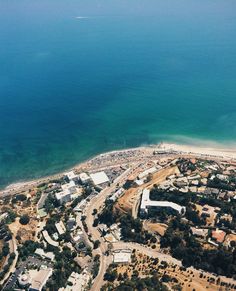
x=127, y=73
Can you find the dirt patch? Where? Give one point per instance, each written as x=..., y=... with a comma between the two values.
x=188, y=279
x=24, y=232
x=210, y=220
x=128, y=203
x=158, y=228
x=229, y=238
x=161, y=176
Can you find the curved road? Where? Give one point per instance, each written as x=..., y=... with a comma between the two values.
x=97, y=203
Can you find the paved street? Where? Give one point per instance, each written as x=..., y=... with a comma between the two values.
x=97, y=203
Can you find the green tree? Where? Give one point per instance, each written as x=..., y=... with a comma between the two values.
x=24, y=219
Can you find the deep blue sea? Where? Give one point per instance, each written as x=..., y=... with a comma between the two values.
x=82, y=77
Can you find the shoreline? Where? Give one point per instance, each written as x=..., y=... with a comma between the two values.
x=20, y=184
x=218, y=151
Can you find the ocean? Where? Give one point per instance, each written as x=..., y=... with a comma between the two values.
x=78, y=78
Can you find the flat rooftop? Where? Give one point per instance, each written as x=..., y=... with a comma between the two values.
x=99, y=178
x=146, y=202
x=123, y=256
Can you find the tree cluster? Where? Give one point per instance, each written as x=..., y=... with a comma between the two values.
x=132, y=230
x=184, y=247
x=63, y=267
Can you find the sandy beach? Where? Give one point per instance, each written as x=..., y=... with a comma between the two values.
x=216, y=151
x=196, y=150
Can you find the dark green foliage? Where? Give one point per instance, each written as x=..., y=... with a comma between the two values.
x=96, y=244
x=184, y=246
x=193, y=216
x=64, y=266
x=5, y=250
x=50, y=225
x=217, y=183
x=107, y=216
x=110, y=275
x=128, y=184
x=51, y=203
x=24, y=219
x=18, y=197
x=7, y=266
x=132, y=230
x=28, y=248
x=138, y=284
x=185, y=165
x=11, y=216
x=96, y=264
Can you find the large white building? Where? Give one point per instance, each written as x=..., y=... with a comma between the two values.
x=39, y=278
x=146, y=203
x=60, y=227
x=63, y=196
x=49, y=240
x=147, y=172
x=99, y=178
x=71, y=187
x=45, y=255
x=122, y=256
x=84, y=178
x=67, y=190
x=77, y=282
x=72, y=176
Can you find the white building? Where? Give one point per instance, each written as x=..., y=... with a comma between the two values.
x=80, y=206
x=195, y=182
x=77, y=236
x=146, y=203
x=39, y=278
x=71, y=187
x=49, y=240
x=63, y=196
x=122, y=256
x=84, y=178
x=99, y=178
x=44, y=255
x=139, y=182
x=77, y=282
x=72, y=176
x=60, y=227
x=23, y=280
x=223, y=178
x=117, y=194
x=147, y=172
x=3, y=216
x=67, y=191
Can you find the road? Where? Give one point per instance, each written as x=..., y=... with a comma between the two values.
x=97, y=203
x=147, y=251
x=13, y=249
x=165, y=257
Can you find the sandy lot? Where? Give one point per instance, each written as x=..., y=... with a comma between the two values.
x=128, y=203
x=161, y=176
x=26, y=232
x=159, y=228
x=186, y=278
x=229, y=238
